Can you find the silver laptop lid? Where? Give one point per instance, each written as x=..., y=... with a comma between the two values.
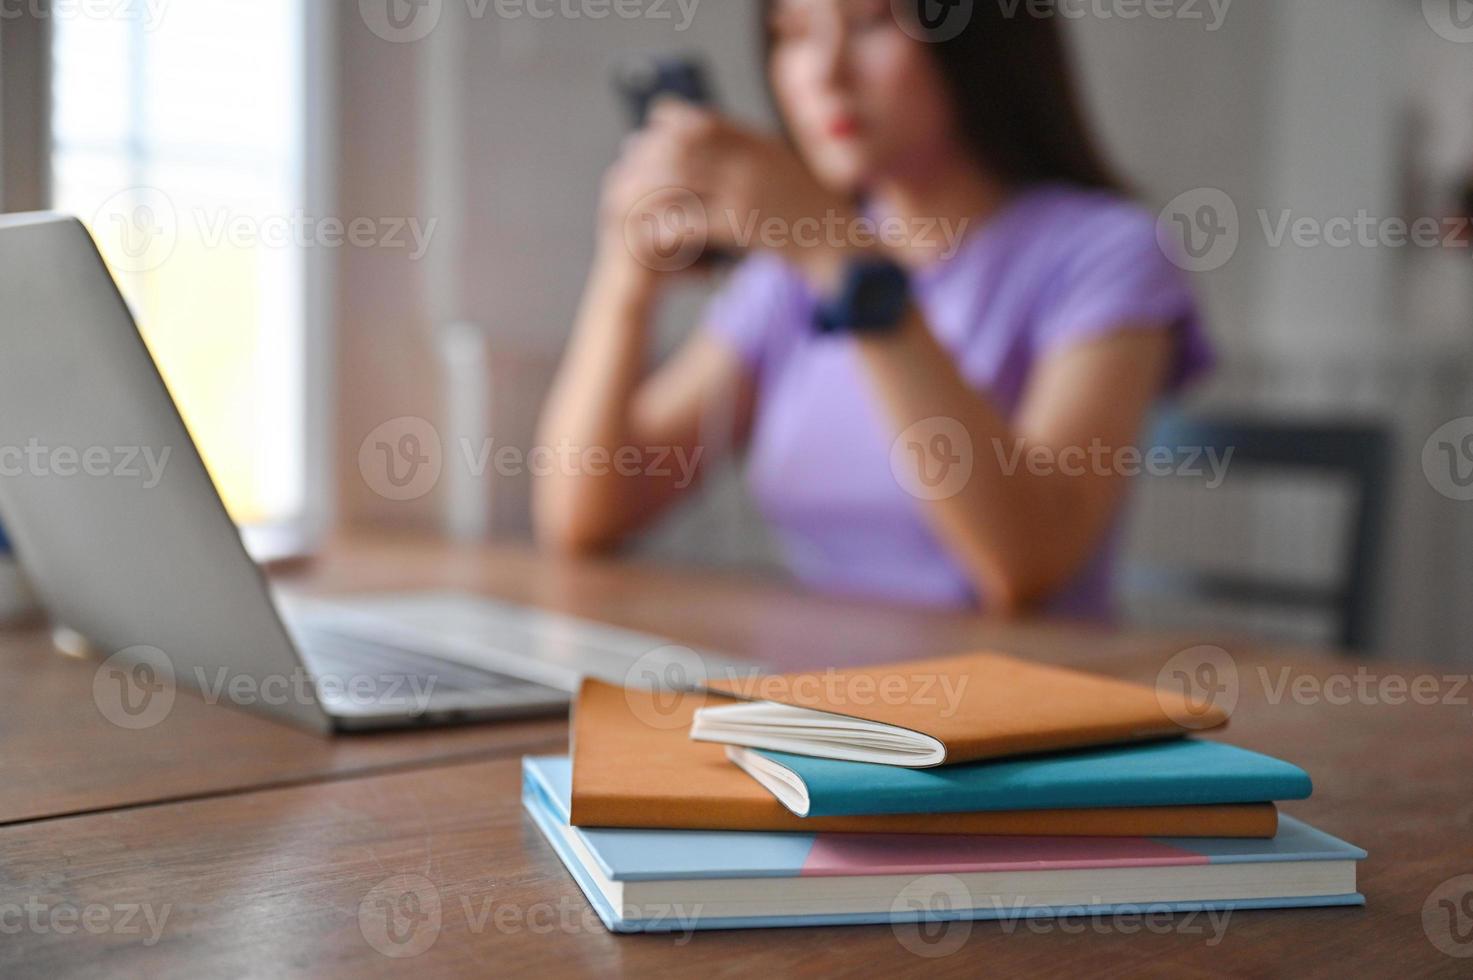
x=104, y=496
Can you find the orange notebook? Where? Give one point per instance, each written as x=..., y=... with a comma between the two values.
x=945, y=711
x=634, y=766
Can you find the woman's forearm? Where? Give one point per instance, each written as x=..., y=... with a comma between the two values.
x=1020, y=530
x=984, y=517
x=589, y=408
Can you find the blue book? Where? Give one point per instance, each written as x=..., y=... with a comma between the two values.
x=683, y=880
x=1180, y=772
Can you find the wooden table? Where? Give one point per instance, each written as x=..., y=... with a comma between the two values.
x=219, y=844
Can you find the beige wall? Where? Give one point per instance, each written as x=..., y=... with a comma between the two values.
x=534, y=123
x=24, y=80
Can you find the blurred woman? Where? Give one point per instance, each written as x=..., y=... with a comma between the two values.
x=943, y=338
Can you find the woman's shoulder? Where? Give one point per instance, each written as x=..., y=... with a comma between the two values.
x=1072, y=217
x=1100, y=268
x=1056, y=237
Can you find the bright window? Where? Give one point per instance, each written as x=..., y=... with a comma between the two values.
x=179, y=138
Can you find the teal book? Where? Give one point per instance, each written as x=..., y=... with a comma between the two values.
x=1180, y=772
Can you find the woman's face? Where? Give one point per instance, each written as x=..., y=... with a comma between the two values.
x=862, y=98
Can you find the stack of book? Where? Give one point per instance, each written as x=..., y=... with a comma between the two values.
x=970, y=787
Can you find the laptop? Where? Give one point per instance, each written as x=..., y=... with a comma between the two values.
x=129, y=548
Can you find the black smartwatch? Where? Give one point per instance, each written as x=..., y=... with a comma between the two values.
x=872, y=299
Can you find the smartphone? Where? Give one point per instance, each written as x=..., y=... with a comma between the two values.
x=642, y=80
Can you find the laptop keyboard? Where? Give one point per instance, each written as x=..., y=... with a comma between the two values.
x=477, y=648
x=338, y=660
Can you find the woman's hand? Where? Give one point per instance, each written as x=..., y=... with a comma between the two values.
x=692, y=181
x=652, y=225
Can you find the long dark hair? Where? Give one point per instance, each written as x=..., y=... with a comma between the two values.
x=1013, y=89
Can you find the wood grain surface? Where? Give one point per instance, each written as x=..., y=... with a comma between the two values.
x=235, y=847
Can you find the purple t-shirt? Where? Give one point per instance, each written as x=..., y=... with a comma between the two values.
x=1054, y=267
